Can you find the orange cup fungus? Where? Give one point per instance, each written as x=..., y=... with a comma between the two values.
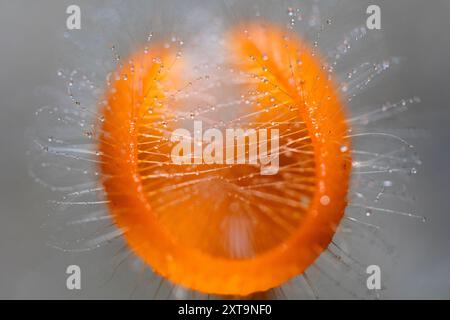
x=220, y=228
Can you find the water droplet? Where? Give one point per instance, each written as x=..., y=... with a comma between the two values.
x=387, y=183
x=325, y=200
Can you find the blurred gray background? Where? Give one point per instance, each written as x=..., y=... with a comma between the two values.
x=29, y=42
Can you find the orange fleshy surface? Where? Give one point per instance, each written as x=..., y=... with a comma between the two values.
x=225, y=229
